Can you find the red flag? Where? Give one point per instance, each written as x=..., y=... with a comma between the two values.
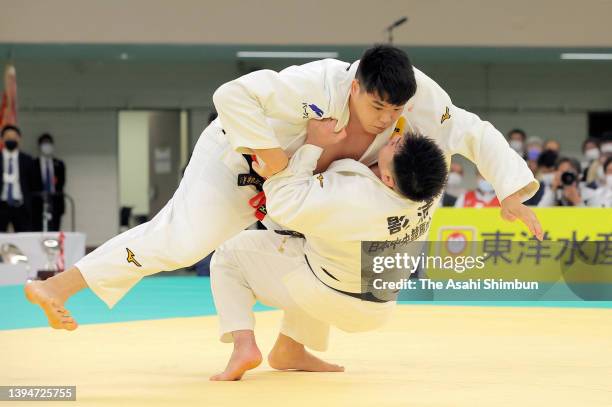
x=8, y=109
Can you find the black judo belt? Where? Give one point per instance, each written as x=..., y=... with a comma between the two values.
x=258, y=202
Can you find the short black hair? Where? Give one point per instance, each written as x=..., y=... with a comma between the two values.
x=10, y=127
x=589, y=140
x=518, y=131
x=387, y=71
x=45, y=137
x=572, y=161
x=547, y=159
x=419, y=168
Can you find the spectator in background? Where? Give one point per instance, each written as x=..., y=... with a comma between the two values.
x=595, y=174
x=545, y=173
x=454, y=185
x=482, y=197
x=49, y=178
x=552, y=145
x=565, y=189
x=534, y=149
x=518, y=140
x=591, y=154
x=15, y=183
x=602, y=198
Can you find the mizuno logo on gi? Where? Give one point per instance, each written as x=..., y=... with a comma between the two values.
x=131, y=258
x=320, y=178
x=446, y=115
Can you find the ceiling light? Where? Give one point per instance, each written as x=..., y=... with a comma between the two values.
x=587, y=57
x=286, y=54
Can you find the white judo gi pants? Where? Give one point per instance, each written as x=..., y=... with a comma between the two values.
x=271, y=268
x=207, y=208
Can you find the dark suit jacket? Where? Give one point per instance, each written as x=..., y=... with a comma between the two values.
x=25, y=177
x=59, y=172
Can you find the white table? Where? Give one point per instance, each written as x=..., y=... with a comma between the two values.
x=30, y=244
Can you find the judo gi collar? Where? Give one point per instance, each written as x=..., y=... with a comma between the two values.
x=341, y=92
x=348, y=165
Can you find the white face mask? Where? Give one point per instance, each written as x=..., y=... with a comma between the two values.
x=547, y=179
x=609, y=181
x=517, y=146
x=606, y=148
x=454, y=179
x=46, y=148
x=591, y=154
x=485, y=186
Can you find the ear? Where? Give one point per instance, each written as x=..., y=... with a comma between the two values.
x=387, y=179
x=355, y=88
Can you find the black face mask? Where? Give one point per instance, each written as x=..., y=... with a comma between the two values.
x=10, y=145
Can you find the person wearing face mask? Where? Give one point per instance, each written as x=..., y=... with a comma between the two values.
x=591, y=154
x=566, y=188
x=603, y=196
x=15, y=183
x=49, y=181
x=517, y=140
x=595, y=174
x=534, y=149
x=481, y=197
x=454, y=185
x=545, y=173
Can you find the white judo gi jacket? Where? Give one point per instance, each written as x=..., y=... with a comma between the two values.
x=266, y=109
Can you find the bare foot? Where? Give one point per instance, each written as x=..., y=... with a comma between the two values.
x=58, y=316
x=288, y=354
x=243, y=358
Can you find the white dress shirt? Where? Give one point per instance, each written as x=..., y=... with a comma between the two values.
x=13, y=178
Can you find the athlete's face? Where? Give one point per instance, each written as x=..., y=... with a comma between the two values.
x=374, y=114
x=385, y=160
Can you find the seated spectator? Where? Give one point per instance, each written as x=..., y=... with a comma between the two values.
x=534, y=149
x=517, y=140
x=545, y=173
x=454, y=185
x=566, y=188
x=553, y=145
x=595, y=173
x=481, y=197
x=602, y=198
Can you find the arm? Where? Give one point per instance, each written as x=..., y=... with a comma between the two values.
x=245, y=104
x=318, y=204
x=301, y=201
x=466, y=134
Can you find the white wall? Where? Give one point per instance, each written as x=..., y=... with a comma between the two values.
x=79, y=102
x=134, y=161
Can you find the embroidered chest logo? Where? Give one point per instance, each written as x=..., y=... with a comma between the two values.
x=446, y=115
x=320, y=178
x=314, y=108
x=131, y=258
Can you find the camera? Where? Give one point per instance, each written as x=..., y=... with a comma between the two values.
x=568, y=178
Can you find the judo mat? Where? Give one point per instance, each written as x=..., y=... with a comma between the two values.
x=152, y=350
